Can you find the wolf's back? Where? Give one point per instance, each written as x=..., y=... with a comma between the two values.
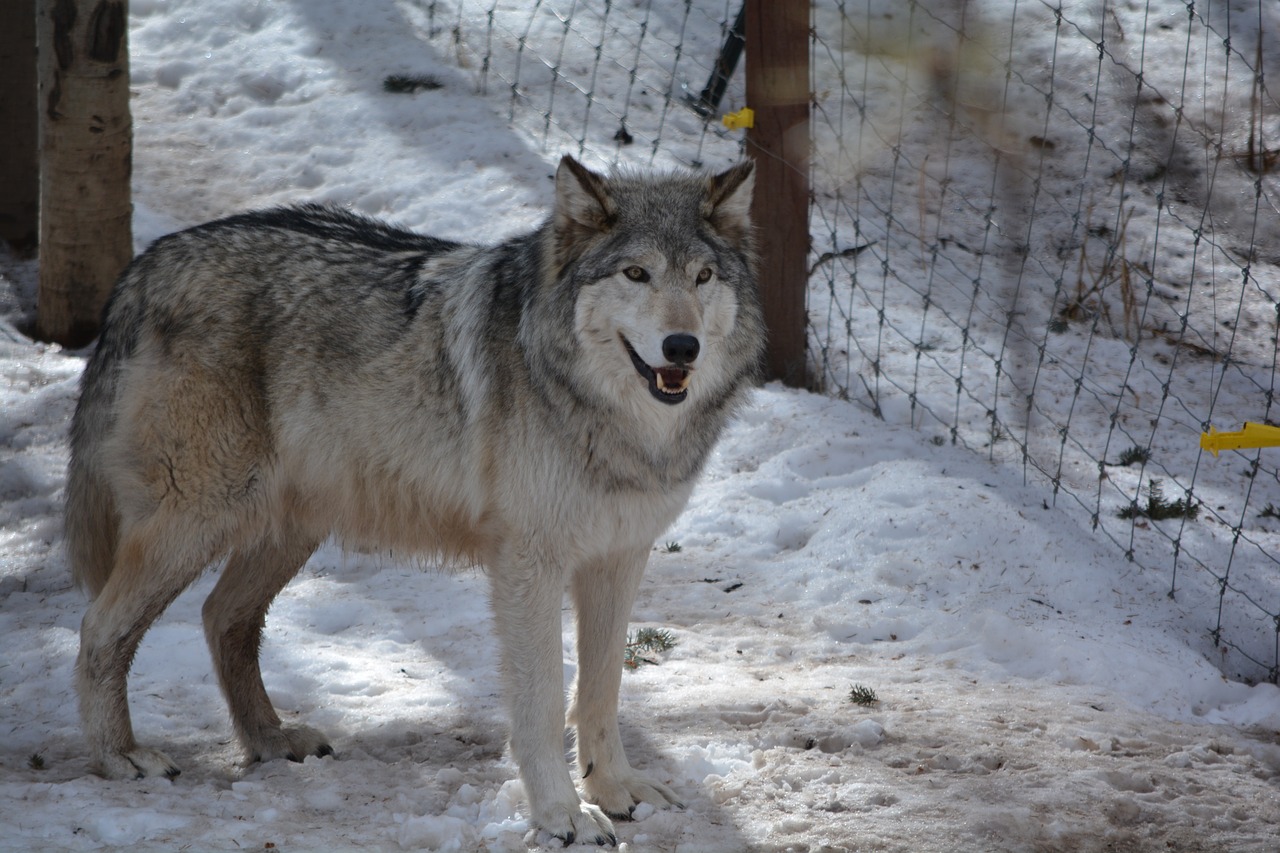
x=230, y=291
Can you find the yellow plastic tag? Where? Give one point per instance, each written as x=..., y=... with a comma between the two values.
x=745, y=117
x=1253, y=435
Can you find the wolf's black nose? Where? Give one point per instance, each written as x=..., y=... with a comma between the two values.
x=680, y=349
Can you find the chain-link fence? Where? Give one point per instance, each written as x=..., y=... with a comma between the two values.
x=1049, y=232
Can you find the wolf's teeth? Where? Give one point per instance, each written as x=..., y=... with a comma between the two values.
x=672, y=381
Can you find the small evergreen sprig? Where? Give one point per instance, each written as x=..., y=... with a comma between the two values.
x=646, y=641
x=864, y=696
x=36, y=761
x=407, y=84
x=1159, y=508
x=1133, y=456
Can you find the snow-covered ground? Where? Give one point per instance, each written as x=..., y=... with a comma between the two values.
x=1036, y=690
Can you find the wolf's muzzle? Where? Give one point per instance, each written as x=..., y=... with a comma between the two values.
x=667, y=384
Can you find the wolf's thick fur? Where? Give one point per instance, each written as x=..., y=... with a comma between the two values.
x=541, y=407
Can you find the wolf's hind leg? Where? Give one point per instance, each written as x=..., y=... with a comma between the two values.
x=153, y=564
x=603, y=593
x=234, y=615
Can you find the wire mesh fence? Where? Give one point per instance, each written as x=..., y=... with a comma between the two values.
x=1051, y=234
x=1045, y=231
x=606, y=81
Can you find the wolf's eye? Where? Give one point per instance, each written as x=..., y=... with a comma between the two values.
x=704, y=275
x=636, y=273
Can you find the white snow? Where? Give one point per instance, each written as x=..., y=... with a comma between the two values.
x=1037, y=691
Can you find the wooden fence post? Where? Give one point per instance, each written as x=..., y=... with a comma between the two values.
x=19, y=127
x=777, y=48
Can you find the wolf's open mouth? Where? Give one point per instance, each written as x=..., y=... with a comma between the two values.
x=668, y=384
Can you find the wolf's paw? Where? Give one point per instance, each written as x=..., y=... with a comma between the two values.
x=292, y=742
x=618, y=794
x=578, y=822
x=138, y=763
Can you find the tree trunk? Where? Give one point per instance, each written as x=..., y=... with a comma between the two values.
x=86, y=139
x=19, y=129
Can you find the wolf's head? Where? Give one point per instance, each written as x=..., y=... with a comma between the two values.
x=659, y=275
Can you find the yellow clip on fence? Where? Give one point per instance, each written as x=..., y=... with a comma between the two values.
x=1253, y=435
x=745, y=117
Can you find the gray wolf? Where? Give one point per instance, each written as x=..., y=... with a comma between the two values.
x=540, y=407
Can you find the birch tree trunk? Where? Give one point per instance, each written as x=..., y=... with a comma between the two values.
x=86, y=159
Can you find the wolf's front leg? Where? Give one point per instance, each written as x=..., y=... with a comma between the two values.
x=603, y=593
x=526, y=597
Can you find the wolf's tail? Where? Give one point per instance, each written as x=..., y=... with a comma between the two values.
x=92, y=525
x=92, y=518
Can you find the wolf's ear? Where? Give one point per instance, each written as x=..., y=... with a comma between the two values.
x=583, y=208
x=728, y=202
